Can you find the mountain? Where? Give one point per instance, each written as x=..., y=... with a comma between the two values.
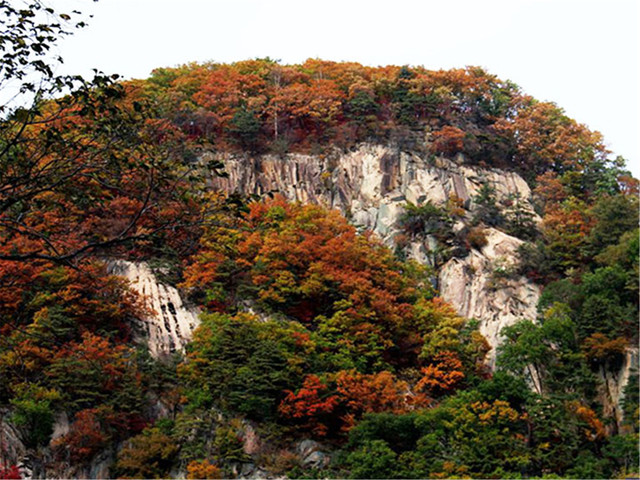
x=326, y=269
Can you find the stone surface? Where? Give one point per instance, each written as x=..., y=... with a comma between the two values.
x=60, y=426
x=250, y=471
x=316, y=460
x=483, y=286
x=171, y=323
x=612, y=384
x=13, y=450
x=250, y=440
x=304, y=448
x=310, y=454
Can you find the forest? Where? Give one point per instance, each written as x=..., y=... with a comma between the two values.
x=310, y=329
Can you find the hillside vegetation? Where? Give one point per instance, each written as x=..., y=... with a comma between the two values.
x=309, y=330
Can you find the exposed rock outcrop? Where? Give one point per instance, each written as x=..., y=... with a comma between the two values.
x=371, y=186
x=483, y=286
x=12, y=449
x=612, y=385
x=171, y=323
x=311, y=454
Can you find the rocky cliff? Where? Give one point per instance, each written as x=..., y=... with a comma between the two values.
x=611, y=388
x=371, y=186
x=170, y=322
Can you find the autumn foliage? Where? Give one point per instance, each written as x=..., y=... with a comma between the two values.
x=11, y=472
x=442, y=375
x=313, y=402
x=449, y=140
x=310, y=264
x=203, y=470
x=358, y=316
x=308, y=328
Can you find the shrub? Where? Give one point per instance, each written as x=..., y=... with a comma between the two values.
x=86, y=437
x=34, y=414
x=10, y=473
x=477, y=238
x=373, y=460
x=229, y=444
x=425, y=219
x=148, y=455
x=239, y=365
x=203, y=469
x=487, y=210
x=448, y=141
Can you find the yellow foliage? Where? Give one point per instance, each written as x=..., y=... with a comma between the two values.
x=203, y=469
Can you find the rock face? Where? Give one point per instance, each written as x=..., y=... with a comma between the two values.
x=12, y=449
x=612, y=385
x=371, y=186
x=482, y=286
x=311, y=455
x=171, y=323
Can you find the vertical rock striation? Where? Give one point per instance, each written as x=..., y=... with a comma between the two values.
x=482, y=286
x=612, y=385
x=171, y=323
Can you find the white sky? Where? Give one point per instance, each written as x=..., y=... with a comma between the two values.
x=582, y=54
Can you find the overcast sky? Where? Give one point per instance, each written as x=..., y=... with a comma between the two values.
x=583, y=55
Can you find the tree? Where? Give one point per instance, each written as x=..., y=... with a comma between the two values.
x=429, y=221
x=560, y=431
x=520, y=220
x=313, y=404
x=464, y=436
x=203, y=469
x=86, y=437
x=241, y=365
x=245, y=128
x=547, y=355
x=33, y=413
x=442, y=375
x=614, y=216
x=373, y=460
x=84, y=165
x=566, y=228
x=448, y=140
x=95, y=371
x=380, y=392
x=546, y=139
x=487, y=210
x=148, y=455
x=311, y=265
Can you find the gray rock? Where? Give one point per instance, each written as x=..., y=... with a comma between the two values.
x=247, y=469
x=315, y=460
x=60, y=426
x=310, y=454
x=13, y=450
x=472, y=287
x=170, y=324
x=611, y=387
x=305, y=448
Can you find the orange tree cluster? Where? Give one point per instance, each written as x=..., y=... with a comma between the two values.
x=355, y=320
x=261, y=105
x=83, y=176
